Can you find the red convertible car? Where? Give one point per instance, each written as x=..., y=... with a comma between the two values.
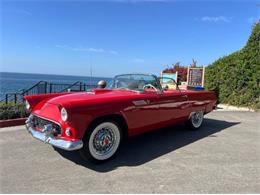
x=95, y=122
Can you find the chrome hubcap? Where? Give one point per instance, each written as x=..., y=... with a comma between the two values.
x=104, y=140
x=197, y=118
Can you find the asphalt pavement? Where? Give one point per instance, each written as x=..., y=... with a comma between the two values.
x=222, y=157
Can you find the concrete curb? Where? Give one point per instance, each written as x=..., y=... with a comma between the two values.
x=226, y=107
x=12, y=122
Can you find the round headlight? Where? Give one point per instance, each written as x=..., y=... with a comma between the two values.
x=27, y=105
x=64, y=114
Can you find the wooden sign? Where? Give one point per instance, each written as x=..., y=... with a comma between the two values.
x=195, y=77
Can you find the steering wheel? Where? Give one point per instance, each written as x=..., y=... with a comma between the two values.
x=149, y=86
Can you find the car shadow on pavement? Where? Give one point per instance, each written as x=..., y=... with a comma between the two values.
x=149, y=146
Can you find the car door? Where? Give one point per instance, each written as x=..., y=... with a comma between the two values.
x=144, y=114
x=173, y=106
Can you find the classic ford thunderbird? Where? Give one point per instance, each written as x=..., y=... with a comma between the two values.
x=95, y=122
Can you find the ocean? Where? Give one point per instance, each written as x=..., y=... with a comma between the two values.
x=12, y=82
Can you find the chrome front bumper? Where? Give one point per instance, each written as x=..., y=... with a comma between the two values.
x=47, y=138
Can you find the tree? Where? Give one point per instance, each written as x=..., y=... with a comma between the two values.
x=235, y=78
x=182, y=70
x=193, y=64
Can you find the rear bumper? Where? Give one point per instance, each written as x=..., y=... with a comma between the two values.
x=47, y=138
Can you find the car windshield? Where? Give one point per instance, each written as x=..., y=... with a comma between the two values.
x=136, y=82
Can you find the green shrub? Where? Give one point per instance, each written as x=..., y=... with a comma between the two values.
x=12, y=111
x=236, y=78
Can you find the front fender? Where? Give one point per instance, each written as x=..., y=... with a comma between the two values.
x=33, y=100
x=81, y=117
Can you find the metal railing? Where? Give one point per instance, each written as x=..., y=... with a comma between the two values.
x=43, y=87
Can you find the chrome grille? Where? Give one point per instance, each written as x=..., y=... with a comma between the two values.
x=39, y=124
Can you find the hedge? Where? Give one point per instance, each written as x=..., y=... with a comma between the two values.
x=236, y=78
x=12, y=111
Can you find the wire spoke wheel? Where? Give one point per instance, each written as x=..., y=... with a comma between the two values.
x=104, y=141
x=196, y=119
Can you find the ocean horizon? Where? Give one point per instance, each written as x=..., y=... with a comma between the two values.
x=14, y=81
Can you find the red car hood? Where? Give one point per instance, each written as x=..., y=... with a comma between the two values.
x=95, y=96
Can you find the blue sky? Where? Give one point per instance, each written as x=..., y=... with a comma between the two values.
x=120, y=36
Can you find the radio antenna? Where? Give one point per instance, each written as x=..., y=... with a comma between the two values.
x=90, y=60
x=91, y=73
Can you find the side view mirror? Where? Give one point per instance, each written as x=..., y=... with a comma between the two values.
x=102, y=84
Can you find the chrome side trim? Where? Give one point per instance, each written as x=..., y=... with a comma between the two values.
x=140, y=102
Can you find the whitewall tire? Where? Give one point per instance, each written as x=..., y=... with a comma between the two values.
x=195, y=120
x=102, y=141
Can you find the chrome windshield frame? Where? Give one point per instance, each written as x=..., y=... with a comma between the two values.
x=154, y=76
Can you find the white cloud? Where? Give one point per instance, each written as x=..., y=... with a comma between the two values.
x=87, y=49
x=138, y=60
x=113, y=52
x=216, y=19
x=62, y=46
x=98, y=50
